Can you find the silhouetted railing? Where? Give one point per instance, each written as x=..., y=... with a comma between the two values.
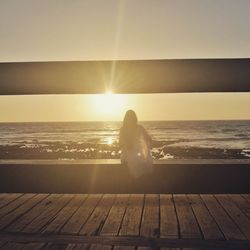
x=130, y=76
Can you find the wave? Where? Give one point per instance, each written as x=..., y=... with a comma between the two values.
x=102, y=151
x=27, y=139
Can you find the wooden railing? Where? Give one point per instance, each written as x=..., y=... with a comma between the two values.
x=134, y=76
x=109, y=176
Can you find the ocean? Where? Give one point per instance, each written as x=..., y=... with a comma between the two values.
x=99, y=140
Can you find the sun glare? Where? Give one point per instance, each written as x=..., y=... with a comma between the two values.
x=109, y=140
x=109, y=103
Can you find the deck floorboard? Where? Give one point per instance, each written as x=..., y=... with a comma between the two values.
x=168, y=221
x=47, y=215
x=97, y=219
x=7, y=198
x=209, y=228
x=132, y=218
x=19, y=224
x=76, y=222
x=241, y=203
x=11, y=206
x=228, y=227
x=246, y=196
x=26, y=207
x=187, y=222
x=64, y=215
x=236, y=214
x=124, y=222
x=115, y=217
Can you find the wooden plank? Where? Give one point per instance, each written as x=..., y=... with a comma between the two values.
x=78, y=219
x=39, y=222
x=71, y=246
x=207, y=223
x=98, y=217
x=114, y=219
x=246, y=196
x=124, y=248
x=132, y=218
x=53, y=246
x=33, y=246
x=12, y=246
x=7, y=198
x=10, y=217
x=2, y=196
x=124, y=241
x=2, y=243
x=168, y=223
x=187, y=221
x=15, y=204
x=150, y=217
x=240, y=219
x=228, y=227
x=77, y=246
x=63, y=216
x=36, y=211
x=217, y=248
x=195, y=249
x=100, y=247
x=167, y=248
x=241, y=203
x=138, y=76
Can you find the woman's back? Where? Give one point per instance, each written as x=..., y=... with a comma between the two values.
x=129, y=143
x=135, y=144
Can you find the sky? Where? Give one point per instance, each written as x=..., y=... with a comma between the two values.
x=63, y=30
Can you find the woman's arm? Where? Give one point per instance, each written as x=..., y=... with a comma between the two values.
x=147, y=136
x=120, y=139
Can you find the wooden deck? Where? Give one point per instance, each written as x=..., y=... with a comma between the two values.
x=125, y=221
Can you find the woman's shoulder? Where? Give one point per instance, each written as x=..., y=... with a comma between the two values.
x=121, y=130
x=144, y=132
x=141, y=127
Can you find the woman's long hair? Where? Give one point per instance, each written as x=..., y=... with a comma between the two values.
x=129, y=128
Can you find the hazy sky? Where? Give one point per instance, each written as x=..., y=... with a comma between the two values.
x=148, y=107
x=55, y=30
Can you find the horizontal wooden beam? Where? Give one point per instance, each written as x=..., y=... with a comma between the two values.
x=124, y=241
x=128, y=76
x=177, y=178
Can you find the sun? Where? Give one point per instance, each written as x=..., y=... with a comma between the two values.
x=109, y=103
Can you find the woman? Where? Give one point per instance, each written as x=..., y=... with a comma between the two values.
x=135, y=144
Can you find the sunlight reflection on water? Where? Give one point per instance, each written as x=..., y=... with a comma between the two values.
x=109, y=140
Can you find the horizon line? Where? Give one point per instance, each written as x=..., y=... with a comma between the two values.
x=129, y=59
x=248, y=119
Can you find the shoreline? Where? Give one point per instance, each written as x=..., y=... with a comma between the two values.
x=161, y=151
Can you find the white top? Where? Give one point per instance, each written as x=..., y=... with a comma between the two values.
x=137, y=158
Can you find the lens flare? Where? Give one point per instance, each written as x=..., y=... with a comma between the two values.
x=109, y=103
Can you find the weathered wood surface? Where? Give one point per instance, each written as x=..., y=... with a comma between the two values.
x=127, y=221
x=108, y=176
x=138, y=76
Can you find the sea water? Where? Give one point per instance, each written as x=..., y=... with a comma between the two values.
x=99, y=140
